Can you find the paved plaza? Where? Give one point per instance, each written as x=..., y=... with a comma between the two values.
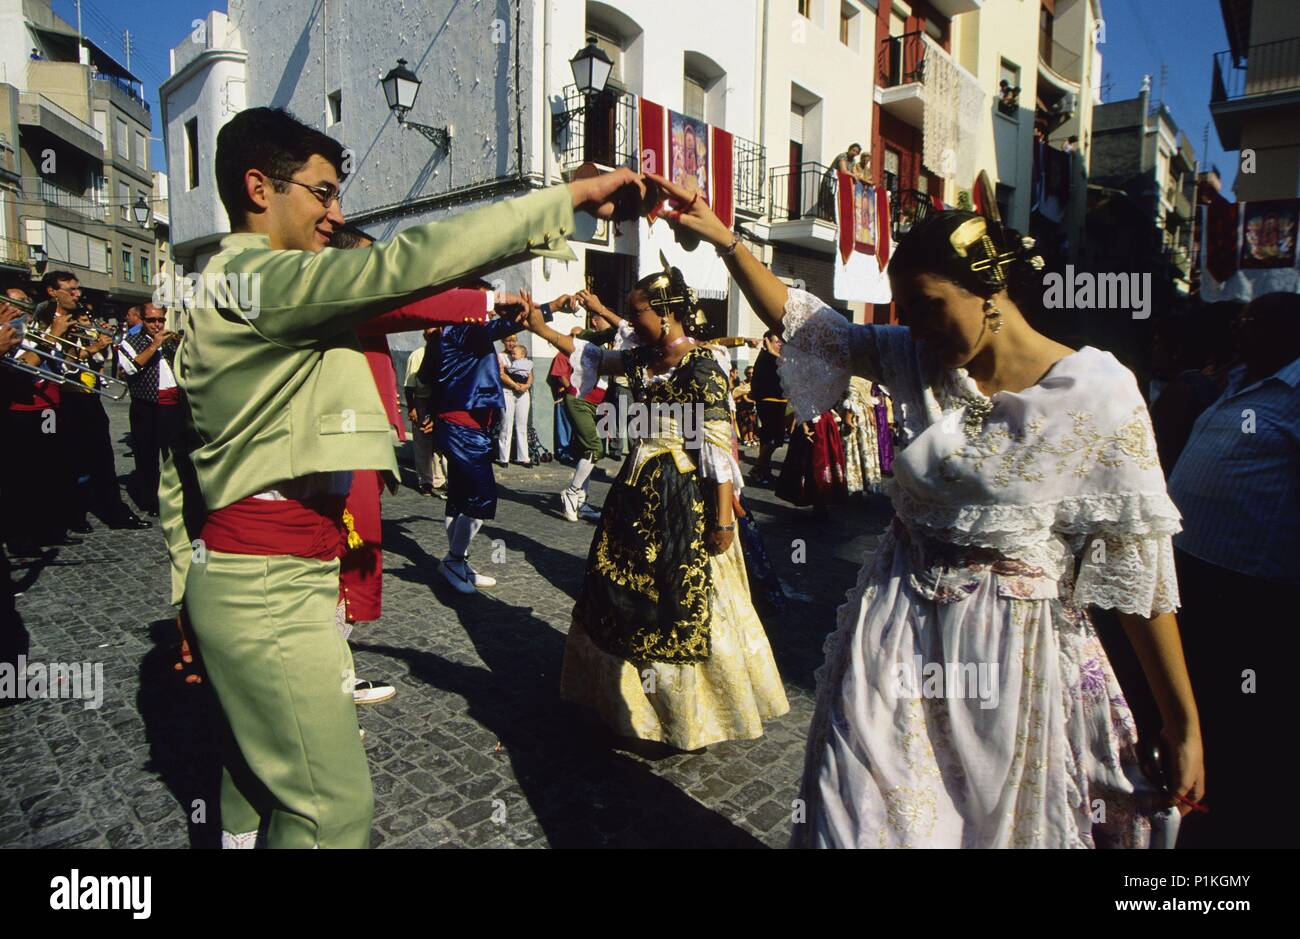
x=476, y=750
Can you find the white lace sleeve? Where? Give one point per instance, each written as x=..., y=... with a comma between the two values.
x=717, y=464
x=823, y=350
x=589, y=362
x=1128, y=573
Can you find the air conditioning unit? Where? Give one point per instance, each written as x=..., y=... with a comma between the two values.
x=1067, y=105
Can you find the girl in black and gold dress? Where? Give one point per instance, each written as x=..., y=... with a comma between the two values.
x=665, y=644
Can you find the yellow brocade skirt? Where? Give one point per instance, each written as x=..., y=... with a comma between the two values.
x=726, y=697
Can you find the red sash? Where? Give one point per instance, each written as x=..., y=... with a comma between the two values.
x=479, y=418
x=308, y=529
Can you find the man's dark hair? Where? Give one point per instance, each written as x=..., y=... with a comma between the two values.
x=271, y=140
x=52, y=279
x=852, y=145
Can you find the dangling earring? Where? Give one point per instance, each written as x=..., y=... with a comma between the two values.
x=993, y=316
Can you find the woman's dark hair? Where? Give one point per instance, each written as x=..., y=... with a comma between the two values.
x=1009, y=260
x=271, y=140
x=666, y=291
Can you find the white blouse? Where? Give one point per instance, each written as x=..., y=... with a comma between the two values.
x=590, y=362
x=1062, y=472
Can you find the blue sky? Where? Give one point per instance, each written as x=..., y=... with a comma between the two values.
x=1140, y=35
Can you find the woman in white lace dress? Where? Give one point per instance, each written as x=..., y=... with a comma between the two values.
x=965, y=700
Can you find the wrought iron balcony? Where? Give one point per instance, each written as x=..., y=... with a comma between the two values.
x=805, y=191
x=598, y=129
x=1270, y=67
x=749, y=164
x=901, y=60
x=906, y=208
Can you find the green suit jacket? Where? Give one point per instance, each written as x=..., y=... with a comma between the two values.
x=274, y=375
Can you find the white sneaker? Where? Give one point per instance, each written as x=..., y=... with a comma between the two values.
x=456, y=574
x=572, y=500
x=480, y=580
x=372, y=692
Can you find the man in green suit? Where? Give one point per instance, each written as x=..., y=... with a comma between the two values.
x=282, y=407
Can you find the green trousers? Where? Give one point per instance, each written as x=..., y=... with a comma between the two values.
x=587, y=442
x=283, y=674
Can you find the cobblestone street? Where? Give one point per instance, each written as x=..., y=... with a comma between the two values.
x=475, y=750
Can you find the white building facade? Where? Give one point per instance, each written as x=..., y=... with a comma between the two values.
x=497, y=75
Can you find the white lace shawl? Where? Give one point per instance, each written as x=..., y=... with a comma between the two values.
x=1064, y=470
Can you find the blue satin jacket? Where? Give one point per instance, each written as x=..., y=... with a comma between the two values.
x=462, y=367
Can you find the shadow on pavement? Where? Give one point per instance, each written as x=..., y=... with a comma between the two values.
x=582, y=793
x=182, y=727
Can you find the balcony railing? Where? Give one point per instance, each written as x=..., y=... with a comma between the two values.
x=1060, y=59
x=749, y=164
x=125, y=86
x=13, y=253
x=901, y=59
x=804, y=191
x=602, y=129
x=35, y=98
x=1270, y=67
x=906, y=208
x=80, y=203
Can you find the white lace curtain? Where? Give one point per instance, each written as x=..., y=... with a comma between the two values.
x=954, y=103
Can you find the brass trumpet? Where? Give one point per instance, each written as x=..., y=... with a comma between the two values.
x=54, y=365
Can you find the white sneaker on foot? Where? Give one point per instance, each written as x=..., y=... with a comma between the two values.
x=571, y=500
x=372, y=692
x=480, y=580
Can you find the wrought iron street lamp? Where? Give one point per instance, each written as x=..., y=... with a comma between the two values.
x=591, y=70
x=141, y=212
x=400, y=88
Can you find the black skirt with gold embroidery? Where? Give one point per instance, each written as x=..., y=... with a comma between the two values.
x=646, y=594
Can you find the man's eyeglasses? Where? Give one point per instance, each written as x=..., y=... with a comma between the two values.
x=155, y=319
x=326, y=195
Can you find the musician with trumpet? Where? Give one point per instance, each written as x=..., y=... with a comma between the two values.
x=83, y=430
x=32, y=383
x=157, y=418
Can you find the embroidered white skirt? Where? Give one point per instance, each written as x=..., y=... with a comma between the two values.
x=983, y=721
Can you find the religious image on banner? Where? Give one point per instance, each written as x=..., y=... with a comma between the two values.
x=689, y=153
x=1268, y=233
x=864, y=217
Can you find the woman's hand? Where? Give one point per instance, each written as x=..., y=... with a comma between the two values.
x=716, y=542
x=1185, y=766
x=595, y=196
x=693, y=213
